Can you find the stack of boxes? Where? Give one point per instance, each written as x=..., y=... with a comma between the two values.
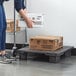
x=47, y=43
x=10, y=25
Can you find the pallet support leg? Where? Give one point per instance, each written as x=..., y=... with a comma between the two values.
x=68, y=53
x=23, y=56
x=54, y=58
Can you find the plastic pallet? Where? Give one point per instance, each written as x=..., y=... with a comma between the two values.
x=54, y=56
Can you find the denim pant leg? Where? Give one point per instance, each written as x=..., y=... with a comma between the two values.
x=3, y=40
x=0, y=39
x=2, y=28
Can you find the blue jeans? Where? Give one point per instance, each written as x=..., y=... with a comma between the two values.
x=2, y=28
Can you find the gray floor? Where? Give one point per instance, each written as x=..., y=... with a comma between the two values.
x=66, y=67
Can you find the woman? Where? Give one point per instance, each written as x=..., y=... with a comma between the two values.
x=2, y=32
x=21, y=9
x=19, y=5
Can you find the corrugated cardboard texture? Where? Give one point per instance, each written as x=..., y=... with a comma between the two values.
x=46, y=42
x=10, y=25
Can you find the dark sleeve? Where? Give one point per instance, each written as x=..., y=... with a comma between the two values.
x=23, y=5
x=19, y=4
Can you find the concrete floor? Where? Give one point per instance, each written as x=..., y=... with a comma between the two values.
x=66, y=67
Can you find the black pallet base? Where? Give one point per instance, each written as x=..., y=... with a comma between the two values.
x=53, y=56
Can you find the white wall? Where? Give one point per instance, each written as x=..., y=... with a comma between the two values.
x=9, y=7
x=59, y=18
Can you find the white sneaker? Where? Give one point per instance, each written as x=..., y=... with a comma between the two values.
x=5, y=60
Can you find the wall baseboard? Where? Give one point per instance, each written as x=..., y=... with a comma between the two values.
x=10, y=45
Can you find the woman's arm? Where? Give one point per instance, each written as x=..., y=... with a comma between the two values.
x=28, y=21
x=19, y=5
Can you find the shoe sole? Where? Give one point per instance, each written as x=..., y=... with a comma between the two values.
x=6, y=62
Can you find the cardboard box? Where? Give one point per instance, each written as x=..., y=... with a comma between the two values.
x=12, y=29
x=10, y=25
x=46, y=42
